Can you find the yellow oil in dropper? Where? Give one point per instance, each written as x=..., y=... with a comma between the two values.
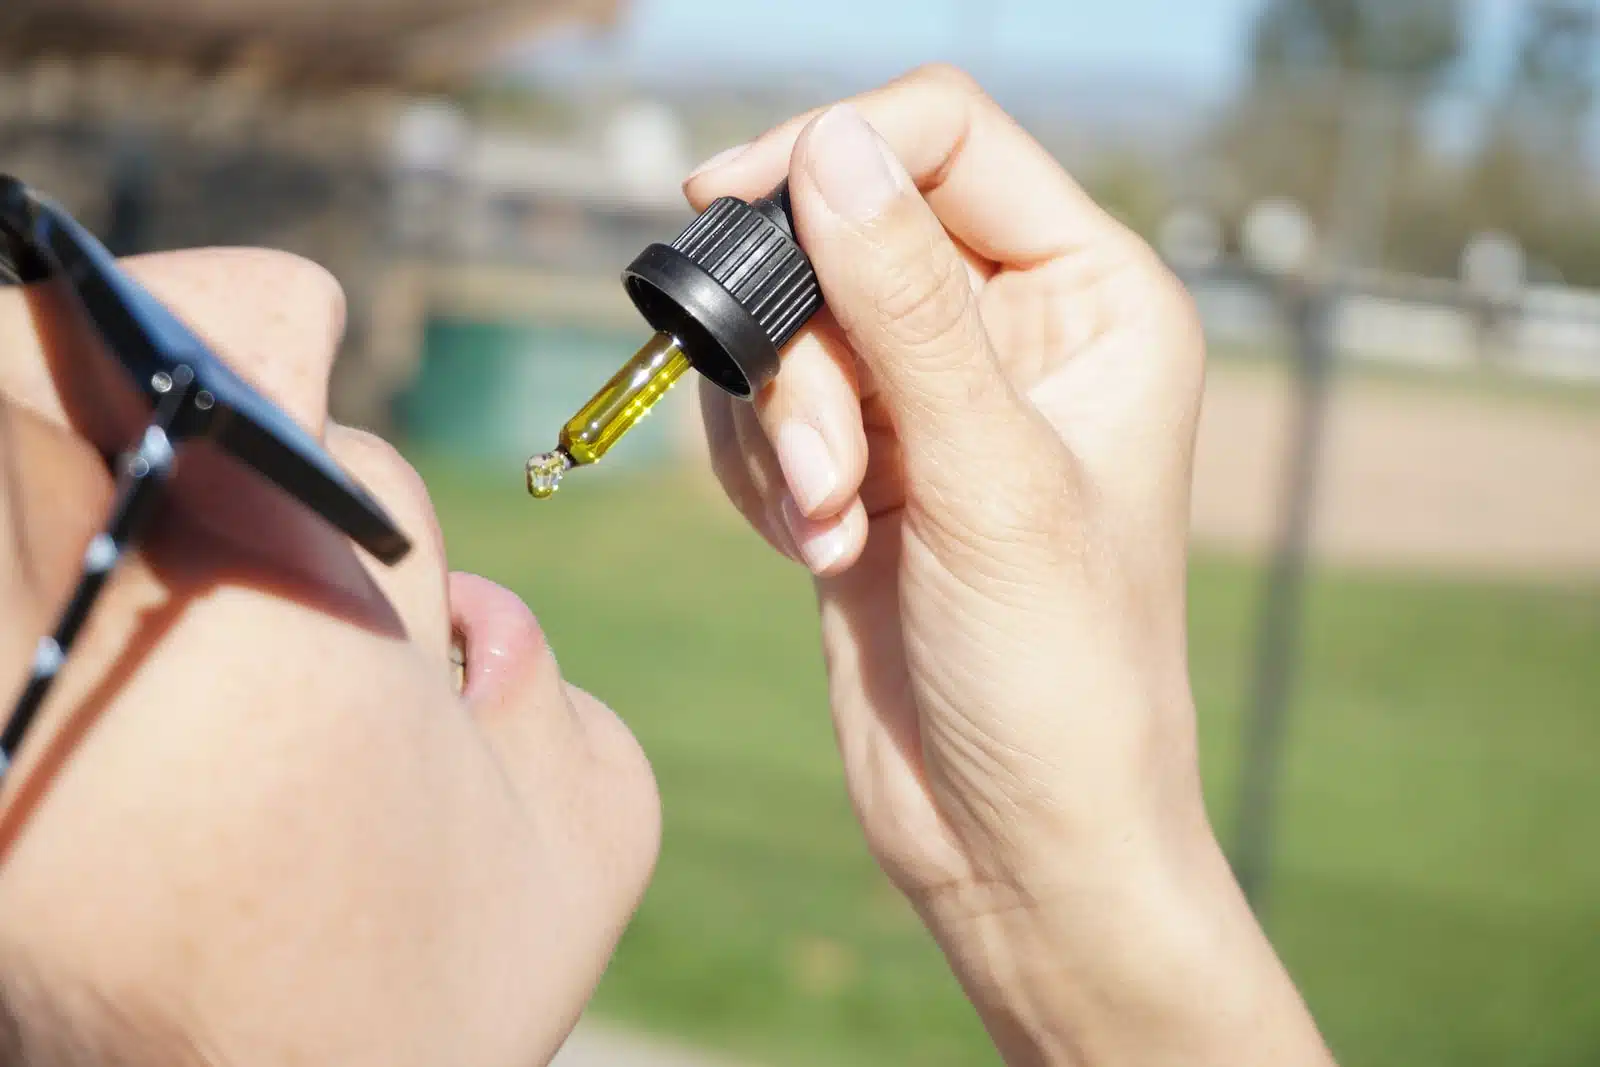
x=610, y=414
x=734, y=283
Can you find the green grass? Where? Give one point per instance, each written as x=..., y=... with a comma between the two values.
x=1438, y=890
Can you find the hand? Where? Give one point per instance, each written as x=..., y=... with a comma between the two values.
x=983, y=451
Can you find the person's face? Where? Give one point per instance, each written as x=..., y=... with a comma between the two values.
x=257, y=804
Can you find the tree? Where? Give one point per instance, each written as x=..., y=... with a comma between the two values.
x=1532, y=176
x=1412, y=42
x=1312, y=62
x=1556, y=61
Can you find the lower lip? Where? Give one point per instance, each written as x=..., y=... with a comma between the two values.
x=502, y=637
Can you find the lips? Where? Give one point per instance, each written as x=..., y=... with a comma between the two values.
x=500, y=636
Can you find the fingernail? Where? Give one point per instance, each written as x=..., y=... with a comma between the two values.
x=807, y=464
x=821, y=545
x=854, y=170
x=727, y=155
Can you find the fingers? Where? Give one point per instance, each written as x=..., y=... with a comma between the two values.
x=827, y=546
x=900, y=272
x=764, y=475
x=993, y=186
x=810, y=422
x=732, y=468
x=900, y=291
x=751, y=474
x=812, y=415
x=898, y=287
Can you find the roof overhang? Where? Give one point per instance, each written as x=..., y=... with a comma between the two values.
x=429, y=43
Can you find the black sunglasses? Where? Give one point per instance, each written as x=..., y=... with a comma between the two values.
x=190, y=395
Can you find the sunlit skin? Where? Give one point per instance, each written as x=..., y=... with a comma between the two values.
x=983, y=450
x=258, y=806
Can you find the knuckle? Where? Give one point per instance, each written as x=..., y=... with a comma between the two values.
x=1027, y=523
x=1188, y=324
x=1179, y=313
x=1160, y=280
x=924, y=295
x=944, y=76
x=1151, y=297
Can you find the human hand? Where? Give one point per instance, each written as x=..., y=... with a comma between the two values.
x=983, y=451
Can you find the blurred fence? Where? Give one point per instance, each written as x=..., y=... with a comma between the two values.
x=1550, y=332
x=422, y=207
x=480, y=253
x=432, y=209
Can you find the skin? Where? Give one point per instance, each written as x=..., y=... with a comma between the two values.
x=984, y=452
x=258, y=806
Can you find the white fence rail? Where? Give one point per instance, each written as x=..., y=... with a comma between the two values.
x=1553, y=333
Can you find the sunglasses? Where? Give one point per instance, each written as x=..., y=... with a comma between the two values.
x=187, y=395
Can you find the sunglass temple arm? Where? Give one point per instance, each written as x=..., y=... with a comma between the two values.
x=141, y=473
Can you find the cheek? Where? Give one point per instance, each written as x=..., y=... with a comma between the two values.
x=601, y=816
x=310, y=847
x=624, y=806
x=584, y=781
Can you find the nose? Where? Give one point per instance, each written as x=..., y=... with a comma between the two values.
x=274, y=318
x=418, y=587
x=387, y=475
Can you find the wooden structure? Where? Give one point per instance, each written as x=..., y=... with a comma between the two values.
x=182, y=123
x=416, y=43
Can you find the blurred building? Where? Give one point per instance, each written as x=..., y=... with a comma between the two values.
x=330, y=131
x=410, y=43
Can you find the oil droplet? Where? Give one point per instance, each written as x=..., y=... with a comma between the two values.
x=544, y=474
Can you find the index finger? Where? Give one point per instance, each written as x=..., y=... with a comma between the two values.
x=992, y=185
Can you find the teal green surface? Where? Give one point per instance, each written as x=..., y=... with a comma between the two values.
x=499, y=393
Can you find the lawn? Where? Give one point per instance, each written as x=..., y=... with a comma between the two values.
x=1438, y=895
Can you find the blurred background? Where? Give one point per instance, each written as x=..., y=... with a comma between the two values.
x=1389, y=213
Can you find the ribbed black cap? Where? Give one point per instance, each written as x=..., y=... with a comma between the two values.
x=734, y=289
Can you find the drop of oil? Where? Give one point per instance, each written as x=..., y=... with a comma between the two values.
x=544, y=474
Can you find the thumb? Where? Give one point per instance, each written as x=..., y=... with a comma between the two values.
x=902, y=293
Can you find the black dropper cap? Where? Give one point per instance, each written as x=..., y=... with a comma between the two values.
x=734, y=289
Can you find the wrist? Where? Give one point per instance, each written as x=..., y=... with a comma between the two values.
x=1141, y=953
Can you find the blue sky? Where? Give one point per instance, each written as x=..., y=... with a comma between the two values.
x=1195, y=39
x=1199, y=43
